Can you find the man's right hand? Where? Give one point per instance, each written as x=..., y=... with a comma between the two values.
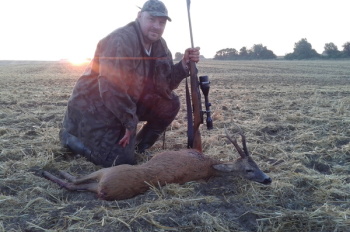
x=126, y=138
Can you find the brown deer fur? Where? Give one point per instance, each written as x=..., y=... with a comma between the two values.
x=126, y=181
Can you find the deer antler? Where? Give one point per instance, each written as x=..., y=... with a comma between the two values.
x=242, y=153
x=241, y=133
x=244, y=144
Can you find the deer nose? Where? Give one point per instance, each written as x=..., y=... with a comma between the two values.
x=267, y=181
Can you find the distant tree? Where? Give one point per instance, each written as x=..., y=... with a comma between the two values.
x=346, y=49
x=243, y=53
x=289, y=56
x=178, y=56
x=331, y=50
x=302, y=50
x=256, y=51
x=226, y=54
x=259, y=51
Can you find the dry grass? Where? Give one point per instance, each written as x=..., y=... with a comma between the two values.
x=296, y=116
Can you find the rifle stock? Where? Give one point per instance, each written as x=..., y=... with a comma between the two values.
x=197, y=107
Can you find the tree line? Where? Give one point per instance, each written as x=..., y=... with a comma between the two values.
x=302, y=50
x=257, y=52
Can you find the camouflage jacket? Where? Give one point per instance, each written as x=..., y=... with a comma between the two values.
x=123, y=71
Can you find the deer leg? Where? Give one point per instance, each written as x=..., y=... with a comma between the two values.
x=92, y=187
x=90, y=178
x=68, y=176
x=60, y=182
x=80, y=180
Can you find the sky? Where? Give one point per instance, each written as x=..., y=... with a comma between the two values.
x=71, y=29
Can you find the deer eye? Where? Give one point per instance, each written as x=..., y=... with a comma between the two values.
x=249, y=170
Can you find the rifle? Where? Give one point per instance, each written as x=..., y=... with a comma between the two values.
x=194, y=121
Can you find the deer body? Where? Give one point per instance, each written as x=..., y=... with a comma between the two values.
x=126, y=181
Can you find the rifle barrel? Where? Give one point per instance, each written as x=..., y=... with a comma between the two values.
x=189, y=21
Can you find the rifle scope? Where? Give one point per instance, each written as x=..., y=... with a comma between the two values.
x=204, y=84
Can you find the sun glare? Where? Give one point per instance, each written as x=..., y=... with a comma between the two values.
x=79, y=60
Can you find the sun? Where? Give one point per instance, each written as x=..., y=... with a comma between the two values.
x=79, y=60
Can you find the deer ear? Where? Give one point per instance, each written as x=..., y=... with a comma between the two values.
x=225, y=167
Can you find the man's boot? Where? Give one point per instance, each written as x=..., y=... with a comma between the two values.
x=74, y=144
x=147, y=137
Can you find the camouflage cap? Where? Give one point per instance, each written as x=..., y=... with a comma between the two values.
x=156, y=8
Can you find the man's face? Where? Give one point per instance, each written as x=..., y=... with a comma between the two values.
x=152, y=27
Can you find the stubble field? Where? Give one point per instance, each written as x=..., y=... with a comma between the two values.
x=296, y=117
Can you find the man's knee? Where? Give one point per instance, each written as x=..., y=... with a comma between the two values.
x=167, y=109
x=175, y=105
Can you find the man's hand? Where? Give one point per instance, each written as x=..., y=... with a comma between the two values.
x=126, y=138
x=191, y=54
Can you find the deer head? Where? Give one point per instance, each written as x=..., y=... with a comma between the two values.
x=245, y=165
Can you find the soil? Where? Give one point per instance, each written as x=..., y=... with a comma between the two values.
x=296, y=117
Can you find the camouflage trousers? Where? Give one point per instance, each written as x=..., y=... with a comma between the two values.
x=95, y=134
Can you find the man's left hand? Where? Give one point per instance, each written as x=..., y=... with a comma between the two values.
x=191, y=54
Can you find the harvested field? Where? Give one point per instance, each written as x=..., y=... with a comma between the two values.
x=296, y=117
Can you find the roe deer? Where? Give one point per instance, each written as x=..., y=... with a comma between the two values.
x=126, y=181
